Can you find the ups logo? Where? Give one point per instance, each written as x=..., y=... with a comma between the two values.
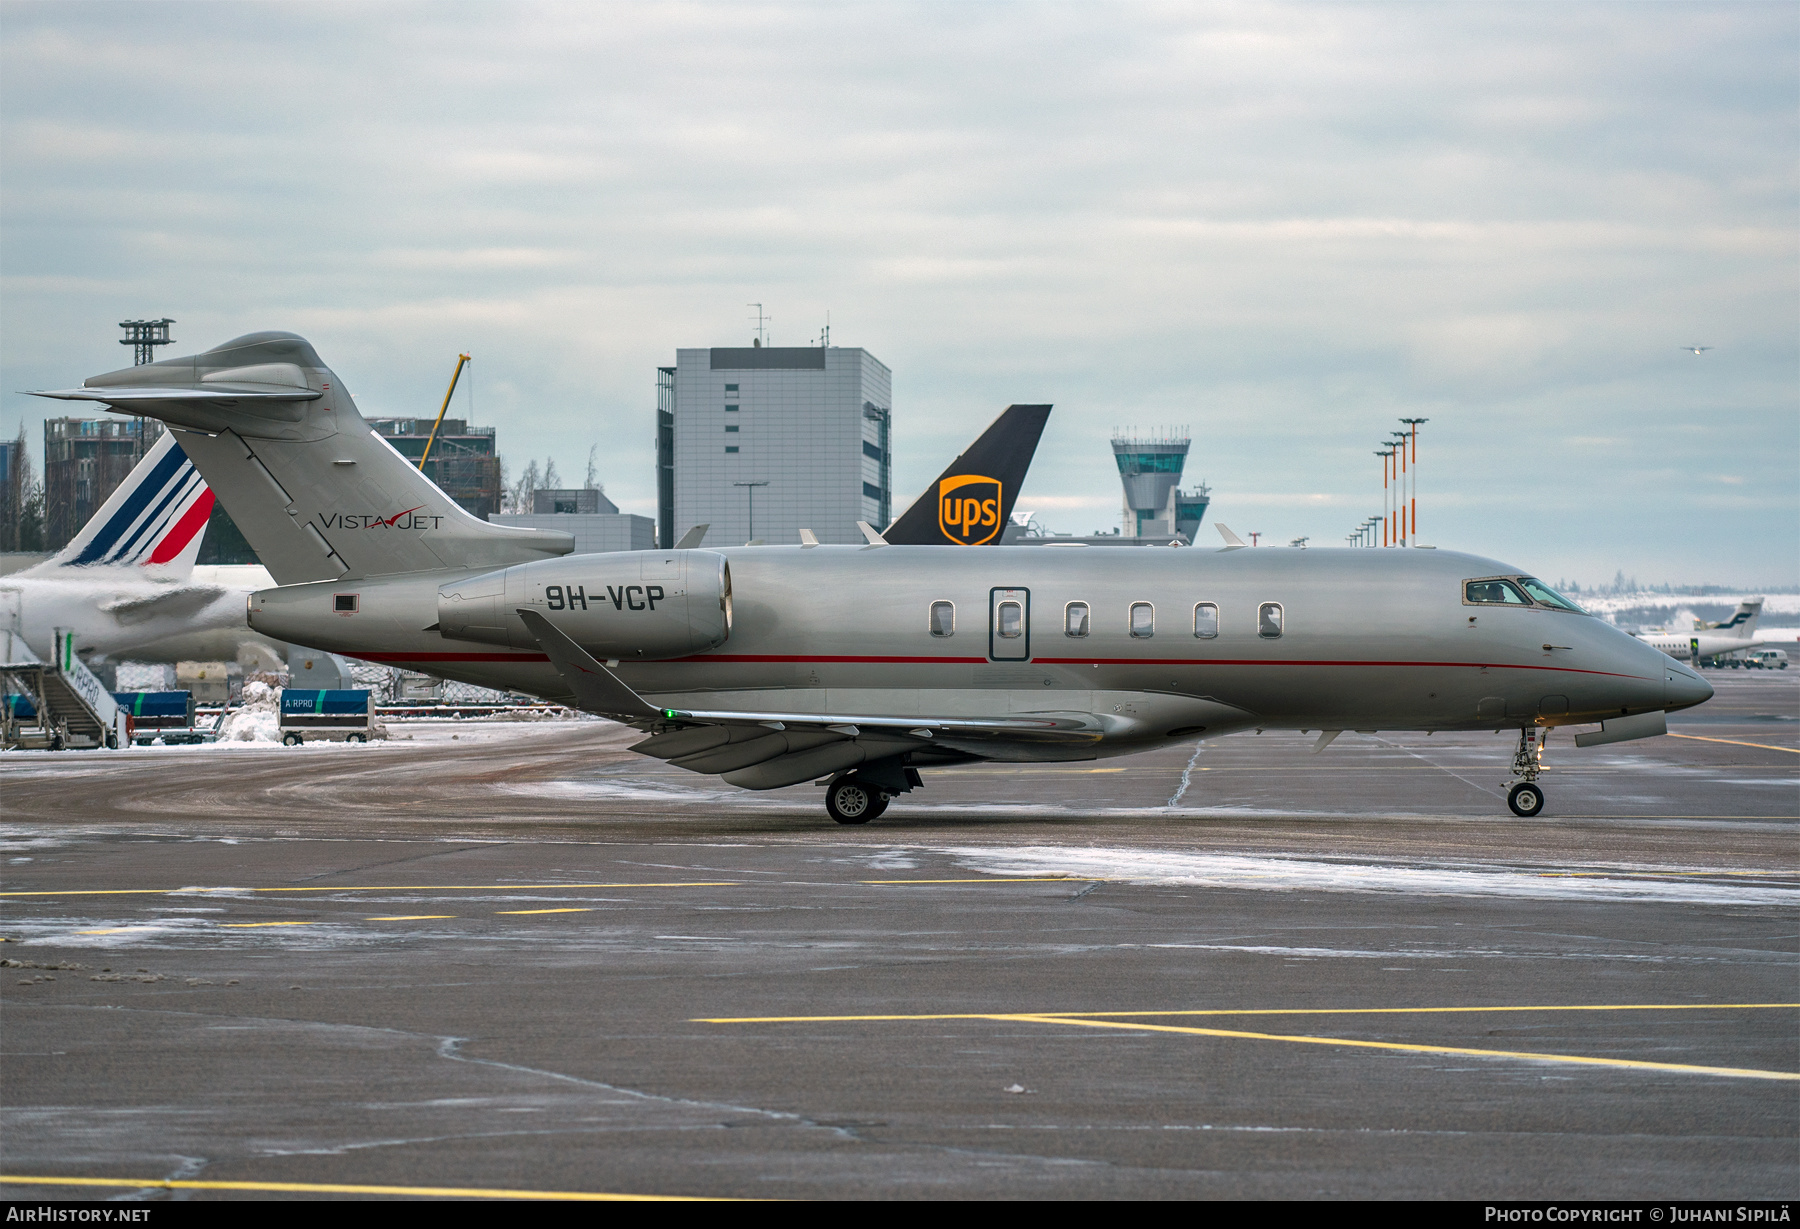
x=969, y=509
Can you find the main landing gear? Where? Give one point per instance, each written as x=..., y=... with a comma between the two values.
x=1527, y=797
x=851, y=800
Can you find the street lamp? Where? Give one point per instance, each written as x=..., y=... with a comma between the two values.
x=750, y=499
x=1412, y=427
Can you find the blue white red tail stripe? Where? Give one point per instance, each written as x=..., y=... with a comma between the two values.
x=155, y=517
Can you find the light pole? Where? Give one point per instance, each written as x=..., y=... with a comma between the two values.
x=1387, y=519
x=750, y=499
x=1412, y=426
x=1402, y=536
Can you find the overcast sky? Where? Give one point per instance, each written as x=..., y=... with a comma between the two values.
x=1279, y=226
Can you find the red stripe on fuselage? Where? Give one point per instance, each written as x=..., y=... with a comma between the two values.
x=523, y=658
x=176, y=540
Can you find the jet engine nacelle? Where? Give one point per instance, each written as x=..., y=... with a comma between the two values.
x=632, y=605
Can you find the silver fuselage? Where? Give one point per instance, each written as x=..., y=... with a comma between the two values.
x=1370, y=639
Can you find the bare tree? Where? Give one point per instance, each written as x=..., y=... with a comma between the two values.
x=593, y=471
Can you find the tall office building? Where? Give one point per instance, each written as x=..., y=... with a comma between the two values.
x=762, y=442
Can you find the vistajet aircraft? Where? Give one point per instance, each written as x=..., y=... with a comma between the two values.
x=127, y=583
x=774, y=665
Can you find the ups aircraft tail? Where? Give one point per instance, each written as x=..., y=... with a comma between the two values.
x=318, y=494
x=971, y=502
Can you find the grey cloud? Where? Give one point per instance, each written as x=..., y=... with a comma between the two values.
x=1281, y=225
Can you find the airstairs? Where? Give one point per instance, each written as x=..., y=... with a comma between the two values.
x=72, y=708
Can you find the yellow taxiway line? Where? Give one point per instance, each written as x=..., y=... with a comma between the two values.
x=337, y=1188
x=392, y=887
x=1112, y=1020
x=1736, y=742
x=505, y=912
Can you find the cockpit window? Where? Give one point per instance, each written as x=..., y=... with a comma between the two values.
x=1546, y=596
x=1494, y=592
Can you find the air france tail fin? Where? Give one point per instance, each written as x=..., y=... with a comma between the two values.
x=156, y=518
x=1742, y=625
x=971, y=502
x=318, y=494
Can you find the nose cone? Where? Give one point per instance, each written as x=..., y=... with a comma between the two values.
x=1682, y=688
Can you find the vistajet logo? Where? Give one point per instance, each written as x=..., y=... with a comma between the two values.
x=371, y=520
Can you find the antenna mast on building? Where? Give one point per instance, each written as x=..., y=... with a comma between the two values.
x=762, y=323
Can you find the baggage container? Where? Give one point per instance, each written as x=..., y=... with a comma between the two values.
x=331, y=715
x=168, y=715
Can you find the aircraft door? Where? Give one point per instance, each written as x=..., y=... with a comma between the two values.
x=1009, y=624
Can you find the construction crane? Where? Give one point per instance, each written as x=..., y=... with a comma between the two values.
x=461, y=361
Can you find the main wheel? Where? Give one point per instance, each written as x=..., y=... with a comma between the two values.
x=849, y=801
x=1526, y=799
x=880, y=805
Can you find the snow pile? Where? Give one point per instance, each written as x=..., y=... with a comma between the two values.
x=257, y=719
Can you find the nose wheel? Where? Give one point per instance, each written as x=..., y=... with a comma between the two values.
x=849, y=800
x=1526, y=799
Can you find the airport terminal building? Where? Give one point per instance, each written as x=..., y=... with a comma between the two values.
x=760, y=442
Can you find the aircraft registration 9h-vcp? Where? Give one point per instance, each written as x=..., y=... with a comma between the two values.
x=773, y=665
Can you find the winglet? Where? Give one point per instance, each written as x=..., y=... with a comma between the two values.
x=693, y=537
x=808, y=538
x=597, y=689
x=1232, y=541
x=868, y=531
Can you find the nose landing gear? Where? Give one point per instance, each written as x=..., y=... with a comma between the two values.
x=1526, y=798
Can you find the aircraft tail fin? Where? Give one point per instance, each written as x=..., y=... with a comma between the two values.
x=155, y=519
x=318, y=495
x=1743, y=623
x=971, y=502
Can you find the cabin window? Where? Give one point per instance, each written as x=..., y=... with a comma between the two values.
x=1546, y=596
x=1075, y=619
x=1494, y=593
x=1268, y=620
x=1143, y=620
x=1010, y=620
x=1206, y=620
x=943, y=618
x=344, y=603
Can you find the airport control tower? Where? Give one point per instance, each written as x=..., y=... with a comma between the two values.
x=1150, y=469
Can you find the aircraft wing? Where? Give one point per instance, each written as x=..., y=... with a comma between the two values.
x=766, y=750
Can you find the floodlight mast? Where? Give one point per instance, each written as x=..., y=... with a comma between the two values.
x=1412, y=426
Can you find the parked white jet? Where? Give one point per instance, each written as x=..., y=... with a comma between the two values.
x=1715, y=639
x=127, y=585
